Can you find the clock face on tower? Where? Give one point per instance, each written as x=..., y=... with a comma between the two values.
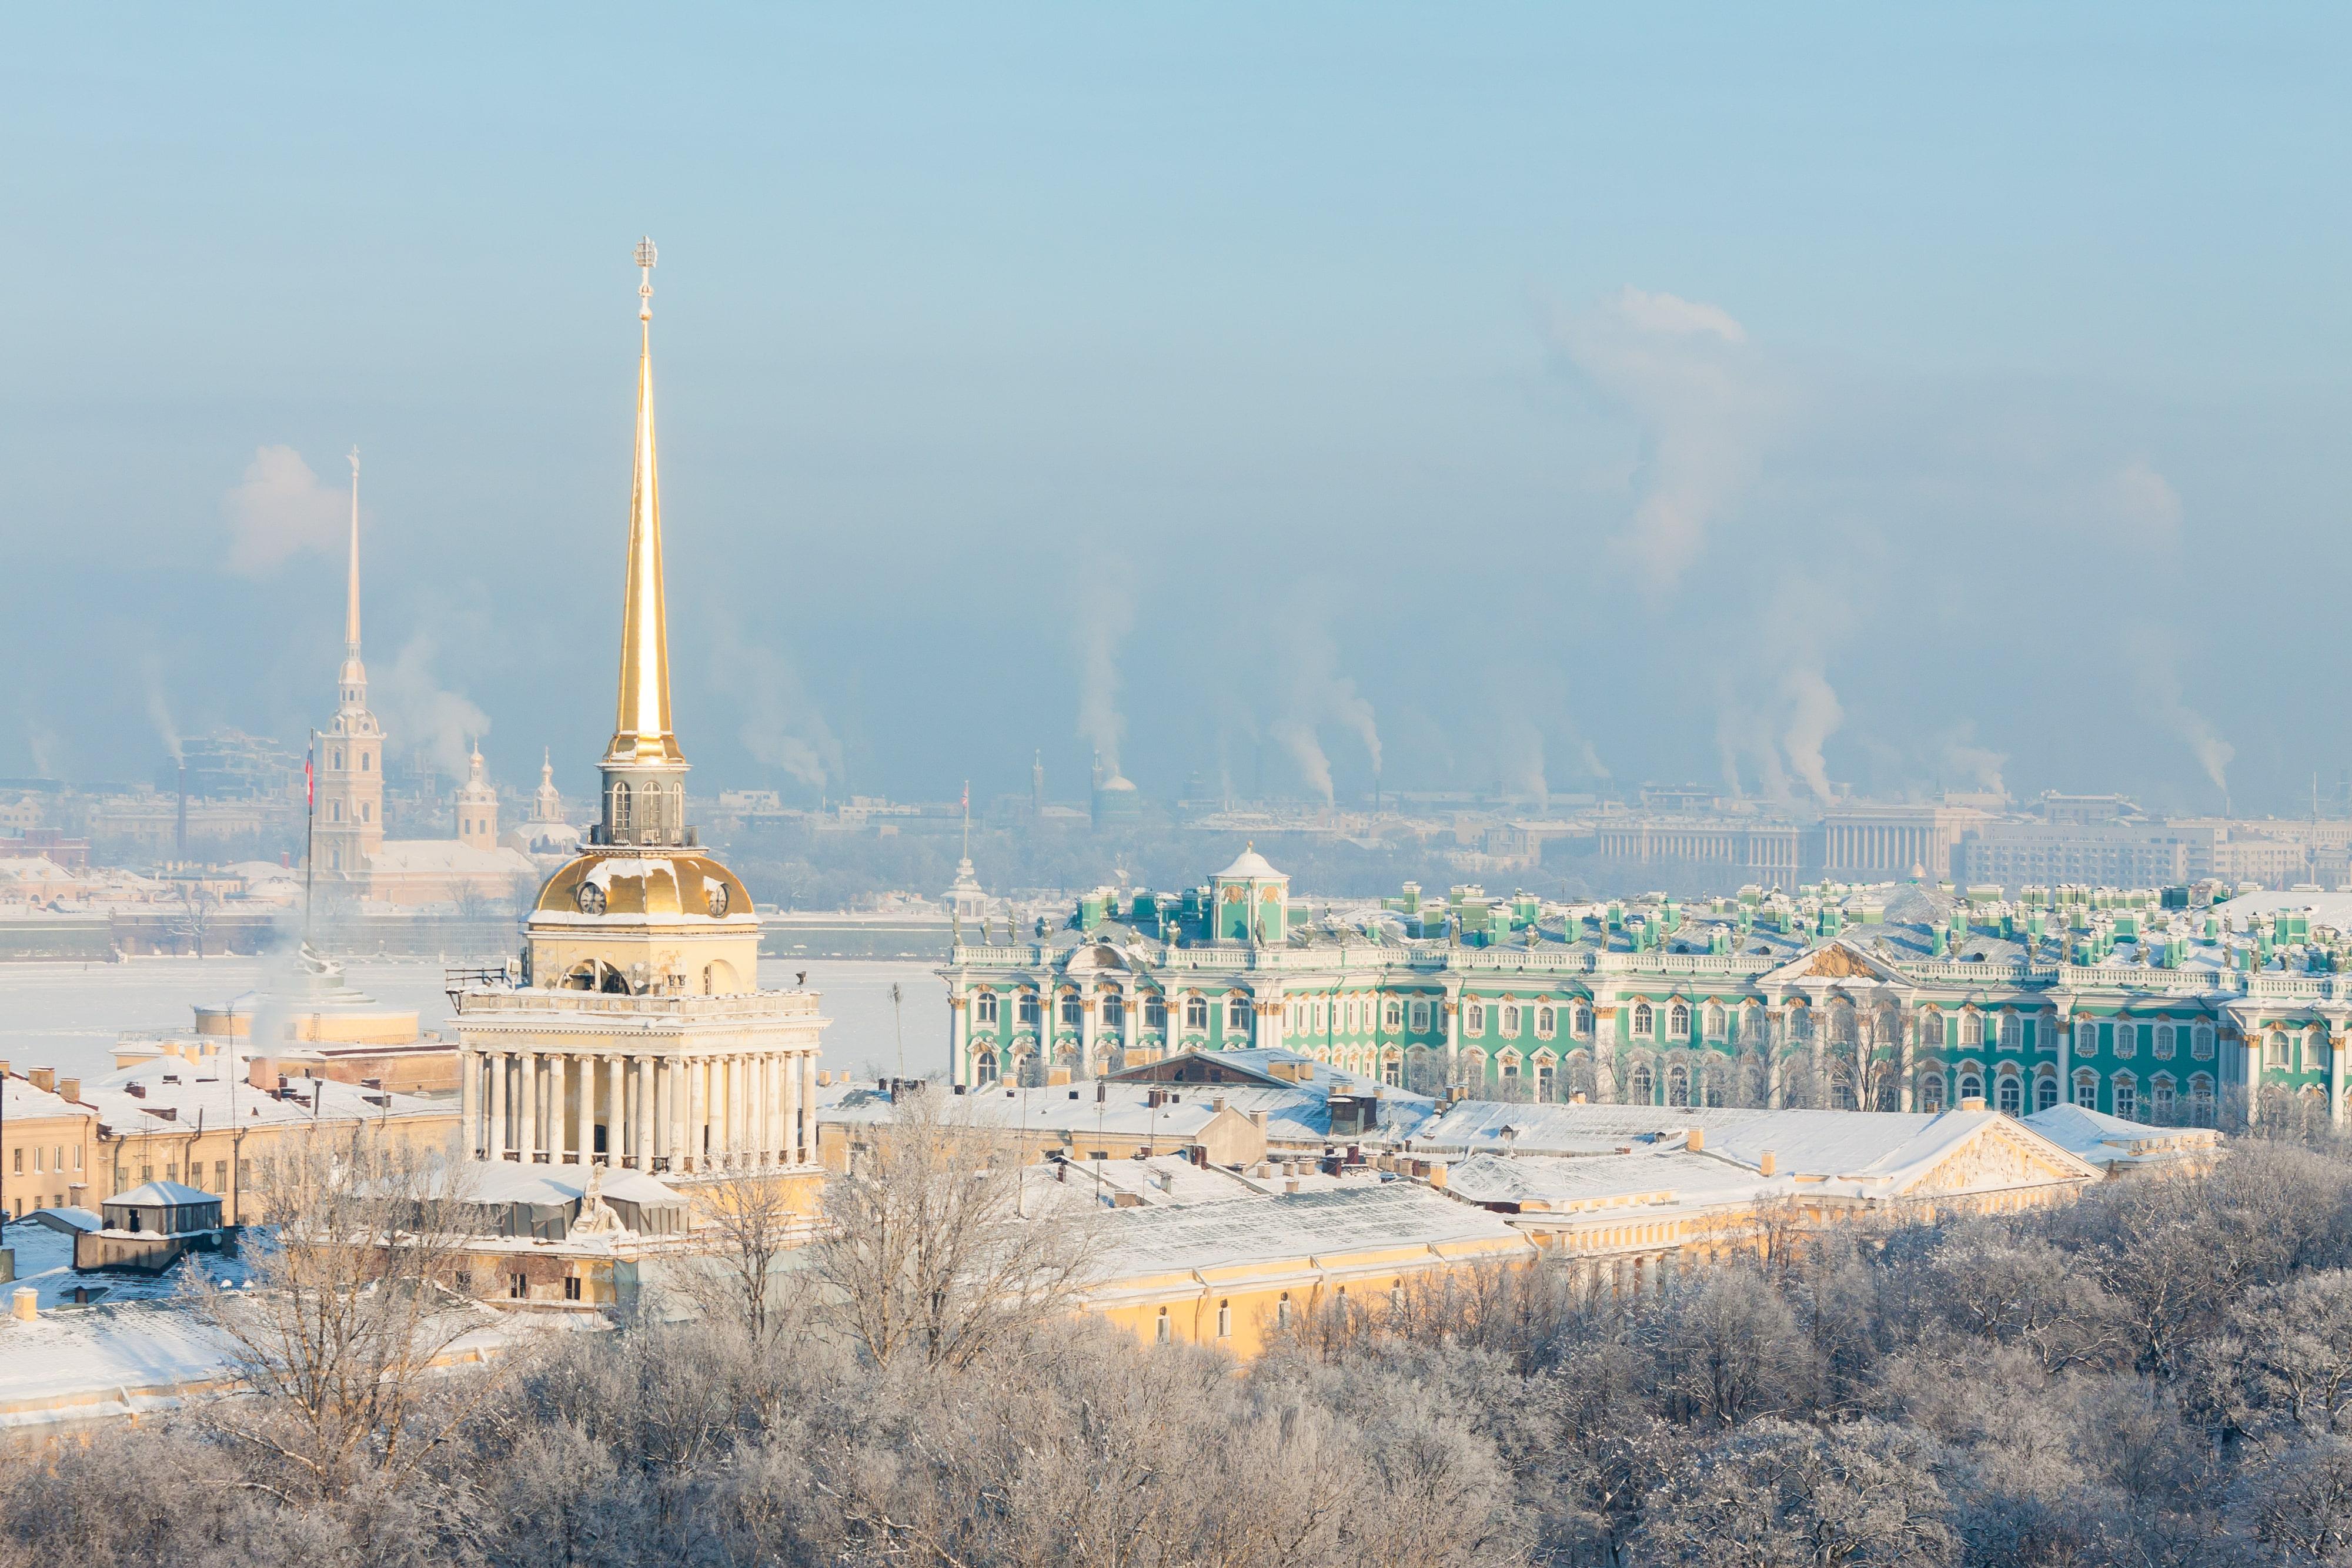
x=715, y=895
x=591, y=898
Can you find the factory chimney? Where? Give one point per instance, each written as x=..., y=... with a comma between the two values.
x=180, y=824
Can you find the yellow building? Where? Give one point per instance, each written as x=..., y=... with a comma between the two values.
x=637, y=1036
x=48, y=1147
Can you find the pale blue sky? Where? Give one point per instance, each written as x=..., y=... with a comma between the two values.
x=1860, y=393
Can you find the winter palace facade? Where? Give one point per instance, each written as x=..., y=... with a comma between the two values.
x=2159, y=1005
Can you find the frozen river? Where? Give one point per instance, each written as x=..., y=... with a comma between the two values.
x=67, y=1016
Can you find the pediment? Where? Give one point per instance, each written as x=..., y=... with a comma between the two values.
x=1836, y=959
x=2000, y=1156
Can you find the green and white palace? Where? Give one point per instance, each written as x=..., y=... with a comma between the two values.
x=2156, y=1005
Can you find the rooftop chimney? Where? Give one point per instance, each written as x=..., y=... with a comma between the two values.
x=1695, y=1140
x=28, y=1304
x=45, y=1079
x=70, y=1089
x=1766, y=1165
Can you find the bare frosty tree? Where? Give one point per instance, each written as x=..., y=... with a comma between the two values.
x=348, y=1312
x=926, y=1247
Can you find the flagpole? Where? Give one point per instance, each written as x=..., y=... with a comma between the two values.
x=310, y=832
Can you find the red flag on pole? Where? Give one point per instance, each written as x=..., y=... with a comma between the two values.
x=310, y=784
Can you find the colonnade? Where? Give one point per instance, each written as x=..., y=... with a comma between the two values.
x=681, y=1114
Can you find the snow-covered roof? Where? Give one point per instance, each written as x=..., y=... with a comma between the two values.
x=2107, y=1141
x=162, y=1194
x=23, y=1098
x=1671, y=1175
x=1300, y=1116
x=1882, y=1149
x=509, y=1181
x=1368, y=1217
x=179, y=1094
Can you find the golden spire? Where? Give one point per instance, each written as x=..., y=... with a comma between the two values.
x=351, y=608
x=641, y=732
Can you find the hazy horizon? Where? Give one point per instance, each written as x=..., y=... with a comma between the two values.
x=1517, y=396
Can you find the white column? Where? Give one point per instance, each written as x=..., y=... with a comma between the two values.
x=559, y=1120
x=2335, y=1048
x=791, y=1141
x=959, y=1038
x=805, y=1073
x=644, y=1150
x=585, y=1114
x=2253, y=1078
x=736, y=1137
x=499, y=1105
x=469, y=1095
x=674, y=1110
x=698, y=1112
x=1089, y=1029
x=526, y=1086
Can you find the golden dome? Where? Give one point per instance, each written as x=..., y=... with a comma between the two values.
x=623, y=880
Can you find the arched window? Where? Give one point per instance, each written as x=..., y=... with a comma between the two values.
x=1644, y=1021
x=1474, y=1018
x=1678, y=1021
x=985, y=1068
x=1971, y=1031
x=338, y=760
x=2011, y=1094
x=1029, y=1008
x=1931, y=1093
x=1971, y=1086
x=1237, y=1015
x=2012, y=1031
x=620, y=805
x=1677, y=1085
x=1420, y=1015
x=1580, y=1021
x=1546, y=1022
x=2087, y=1089
x=1841, y=1088
x=367, y=762
x=983, y=1007
x=2201, y=1042
x=2274, y=1051
x=2045, y=1092
x=1196, y=1012
x=2201, y=1099
x=2164, y=1048
x=1932, y=1027
x=1163, y=1328
x=1282, y=1311
x=1155, y=1011
x=1713, y=1019
x=2127, y=1039
x=1391, y=1015
x=1510, y=1011
x=1543, y=1080
x=1070, y=1011
x=1114, y=1009
x=1640, y=1086
x=2160, y=1098
x=2126, y=1096
x=334, y=810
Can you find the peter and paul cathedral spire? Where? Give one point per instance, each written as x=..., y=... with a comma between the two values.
x=348, y=828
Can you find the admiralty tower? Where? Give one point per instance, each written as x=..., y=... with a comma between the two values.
x=634, y=1032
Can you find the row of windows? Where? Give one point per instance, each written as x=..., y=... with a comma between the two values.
x=1511, y=1020
x=335, y=760
x=46, y=1157
x=335, y=812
